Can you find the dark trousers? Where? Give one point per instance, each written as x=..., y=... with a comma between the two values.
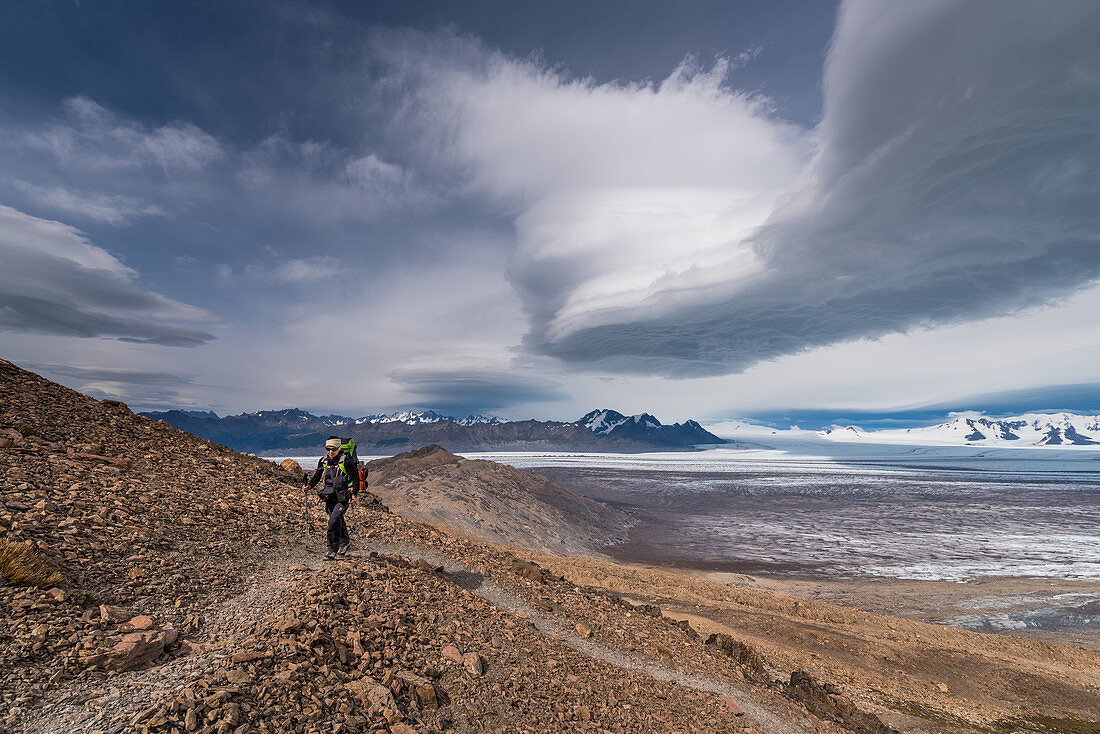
x=337, y=528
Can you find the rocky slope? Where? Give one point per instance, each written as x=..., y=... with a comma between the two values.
x=493, y=502
x=189, y=605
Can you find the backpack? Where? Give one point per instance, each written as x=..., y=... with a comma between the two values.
x=347, y=445
x=351, y=461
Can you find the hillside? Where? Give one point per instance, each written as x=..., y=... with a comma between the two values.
x=493, y=502
x=189, y=604
x=283, y=431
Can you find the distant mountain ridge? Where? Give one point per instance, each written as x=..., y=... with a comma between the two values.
x=963, y=429
x=292, y=429
x=1031, y=429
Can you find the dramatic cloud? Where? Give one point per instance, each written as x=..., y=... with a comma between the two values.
x=631, y=198
x=680, y=229
x=57, y=282
x=487, y=230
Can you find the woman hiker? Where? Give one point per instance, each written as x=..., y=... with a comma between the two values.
x=341, y=486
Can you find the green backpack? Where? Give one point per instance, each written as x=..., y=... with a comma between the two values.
x=347, y=445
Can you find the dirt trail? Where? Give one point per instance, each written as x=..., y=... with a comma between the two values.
x=554, y=628
x=111, y=707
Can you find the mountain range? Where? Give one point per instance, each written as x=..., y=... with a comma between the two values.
x=963, y=429
x=283, y=431
x=1032, y=429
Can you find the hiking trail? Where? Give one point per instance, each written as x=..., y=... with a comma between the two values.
x=111, y=707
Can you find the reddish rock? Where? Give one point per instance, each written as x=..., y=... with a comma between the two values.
x=453, y=653
x=528, y=570
x=142, y=622
x=114, y=615
x=371, y=693
x=136, y=649
x=422, y=690
x=474, y=663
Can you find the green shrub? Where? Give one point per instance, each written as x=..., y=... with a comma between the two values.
x=24, y=430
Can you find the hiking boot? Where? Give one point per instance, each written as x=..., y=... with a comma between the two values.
x=329, y=555
x=343, y=550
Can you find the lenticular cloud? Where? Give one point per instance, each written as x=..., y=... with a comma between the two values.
x=955, y=179
x=57, y=282
x=680, y=228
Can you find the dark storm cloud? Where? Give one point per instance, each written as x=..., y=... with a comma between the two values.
x=957, y=177
x=475, y=390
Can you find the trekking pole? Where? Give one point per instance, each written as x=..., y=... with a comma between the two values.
x=305, y=512
x=351, y=514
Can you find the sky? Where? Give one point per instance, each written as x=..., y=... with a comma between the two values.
x=790, y=211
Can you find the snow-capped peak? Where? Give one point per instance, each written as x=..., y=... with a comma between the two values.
x=604, y=421
x=415, y=418
x=965, y=428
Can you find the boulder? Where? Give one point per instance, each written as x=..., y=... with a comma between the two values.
x=528, y=570
x=370, y=693
x=136, y=649
x=142, y=622
x=420, y=689
x=453, y=653
x=114, y=615
x=474, y=663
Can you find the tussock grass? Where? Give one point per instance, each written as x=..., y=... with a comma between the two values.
x=21, y=567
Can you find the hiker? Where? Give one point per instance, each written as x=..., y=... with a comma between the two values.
x=339, y=490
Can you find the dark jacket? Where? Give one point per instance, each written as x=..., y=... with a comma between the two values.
x=341, y=476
